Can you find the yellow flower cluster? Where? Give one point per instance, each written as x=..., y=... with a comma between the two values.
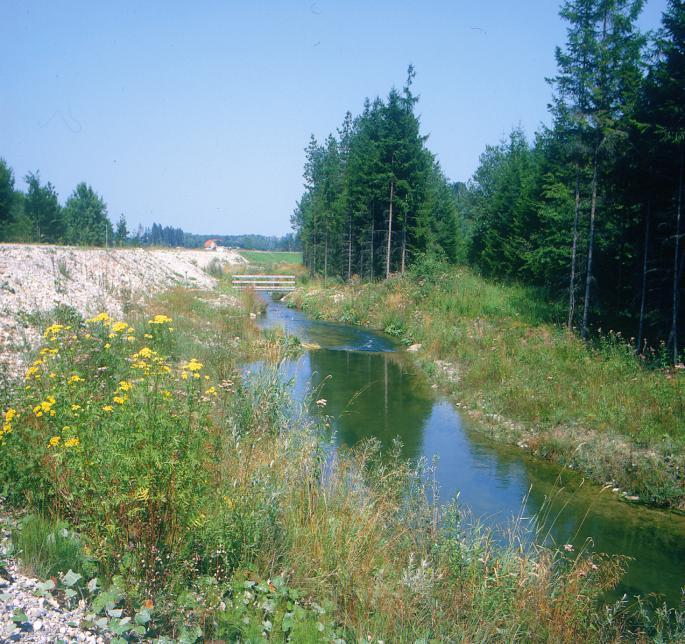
x=54, y=330
x=75, y=378
x=100, y=317
x=69, y=442
x=45, y=407
x=8, y=417
x=194, y=367
x=125, y=385
x=160, y=319
x=149, y=361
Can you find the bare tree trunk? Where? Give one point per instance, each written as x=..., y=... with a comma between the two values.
x=404, y=243
x=574, y=249
x=643, y=298
x=387, y=257
x=372, y=249
x=325, y=260
x=590, y=246
x=676, y=262
x=349, y=252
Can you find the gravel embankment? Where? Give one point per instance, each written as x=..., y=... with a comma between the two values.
x=27, y=617
x=36, y=278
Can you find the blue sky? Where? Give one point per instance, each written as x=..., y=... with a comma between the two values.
x=196, y=114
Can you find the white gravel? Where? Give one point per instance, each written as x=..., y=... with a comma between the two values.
x=46, y=620
x=36, y=278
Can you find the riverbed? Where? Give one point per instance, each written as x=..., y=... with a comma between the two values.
x=372, y=388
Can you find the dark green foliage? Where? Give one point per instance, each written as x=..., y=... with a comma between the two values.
x=592, y=209
x=42, y=209
x=374, y=196
x=85, y=215
x=6, y=198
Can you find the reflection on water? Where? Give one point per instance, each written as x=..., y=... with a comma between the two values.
x=373, y=391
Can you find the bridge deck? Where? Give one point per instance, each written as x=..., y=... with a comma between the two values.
x=264, y=282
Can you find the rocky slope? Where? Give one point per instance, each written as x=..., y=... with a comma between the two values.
x=36, y=278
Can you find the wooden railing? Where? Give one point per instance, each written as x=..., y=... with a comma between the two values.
x=264, y=282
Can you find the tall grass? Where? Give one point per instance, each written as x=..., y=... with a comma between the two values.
x=215, y=503
x=596, y=407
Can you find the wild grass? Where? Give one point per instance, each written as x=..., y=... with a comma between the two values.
x=596, y=407
x=48, y=548
x=265, y=257
x=213, y=502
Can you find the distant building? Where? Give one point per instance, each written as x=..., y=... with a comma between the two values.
x=211, y=244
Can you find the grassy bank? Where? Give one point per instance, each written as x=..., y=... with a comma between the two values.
x=207, y=506
x=499, y=351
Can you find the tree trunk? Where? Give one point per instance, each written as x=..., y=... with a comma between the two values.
x=643, y=298
x=404, y=243
x=676, y=262
x=574, y=249
x=387, y=257
x=372, y=249
x=325, y=260
x=590, y=246
x=349, y=253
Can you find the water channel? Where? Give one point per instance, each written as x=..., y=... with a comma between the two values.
x=372, y=388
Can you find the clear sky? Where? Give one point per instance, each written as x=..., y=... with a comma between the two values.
x=196, y=114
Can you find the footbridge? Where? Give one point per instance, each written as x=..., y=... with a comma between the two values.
x=278, y=283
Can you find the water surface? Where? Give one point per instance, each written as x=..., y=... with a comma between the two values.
x=372, y=389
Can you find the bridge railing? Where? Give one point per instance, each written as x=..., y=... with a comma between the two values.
x=264, y=282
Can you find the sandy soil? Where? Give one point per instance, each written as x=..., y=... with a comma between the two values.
x=36, y=278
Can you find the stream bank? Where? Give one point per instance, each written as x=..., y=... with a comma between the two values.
x=373, y=389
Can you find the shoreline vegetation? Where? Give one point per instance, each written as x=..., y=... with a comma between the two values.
x=137, y=453
x=501, y=353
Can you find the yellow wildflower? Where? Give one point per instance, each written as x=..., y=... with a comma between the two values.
x=120, y=400
x=119, y=327
x=193, y=365
x=184, y=375
x=107, y=345
x=211, y=391
x=54, y=441
x=160, y=319
x=145, y=352
x=10, y=414
x=75, y=407
x=101, y=317
x=147, y=336
x=53, y=330
x=72, y=442
x=75, y=378
x=125, y=385
x=107, y=408
x=166, y=394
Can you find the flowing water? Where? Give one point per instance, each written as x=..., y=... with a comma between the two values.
x=372, y=389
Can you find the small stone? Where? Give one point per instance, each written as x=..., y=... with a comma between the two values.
x=414, y=348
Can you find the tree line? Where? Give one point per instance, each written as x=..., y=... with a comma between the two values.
x=37, y=216
x=590, y=209
x=375, y=197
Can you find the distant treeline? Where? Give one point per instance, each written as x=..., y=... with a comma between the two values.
x=37, y=216
x=591, y=209
x=288, y=242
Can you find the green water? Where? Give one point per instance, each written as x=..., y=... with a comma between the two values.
x=372, y=389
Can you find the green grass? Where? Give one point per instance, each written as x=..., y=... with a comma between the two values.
x=523, y=375
x=47, y=548
x=213, y=510
x=268, y=257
